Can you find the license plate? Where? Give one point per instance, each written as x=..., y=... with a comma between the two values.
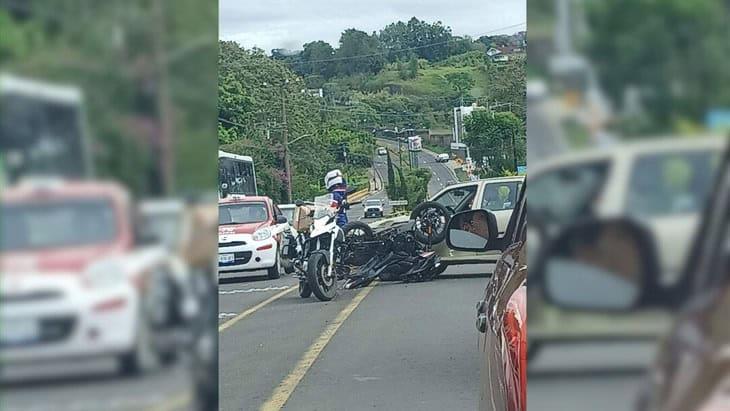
x=15, y=331
x=225, y=258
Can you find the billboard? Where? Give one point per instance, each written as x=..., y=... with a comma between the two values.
x=414, y=143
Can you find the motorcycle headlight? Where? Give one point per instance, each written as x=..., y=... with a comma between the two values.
x=262, y=234
x=102, y=275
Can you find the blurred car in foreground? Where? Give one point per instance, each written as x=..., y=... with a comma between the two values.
x=613, y=266
x=249, y=236
x=502, y=313
x=661, y=183
x=373, y=208
x=78, y=280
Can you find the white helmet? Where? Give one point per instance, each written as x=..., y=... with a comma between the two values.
x=333, y=178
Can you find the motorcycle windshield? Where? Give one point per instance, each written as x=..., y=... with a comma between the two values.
x=324, y=206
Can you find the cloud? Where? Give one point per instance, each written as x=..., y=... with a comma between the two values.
x=290, y=23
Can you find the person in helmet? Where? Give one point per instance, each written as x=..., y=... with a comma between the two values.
x=337, y=187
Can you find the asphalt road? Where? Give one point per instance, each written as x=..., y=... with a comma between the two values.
x=404, y=346
x=93, y=385
x=442, y=175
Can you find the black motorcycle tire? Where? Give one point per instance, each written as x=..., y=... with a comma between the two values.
x=362, y=257
x=416, y=214
x=316, y=270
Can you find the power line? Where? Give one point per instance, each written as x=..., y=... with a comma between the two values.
x=404, y=49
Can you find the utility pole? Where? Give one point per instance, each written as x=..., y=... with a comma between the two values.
x=287, y=164
x=164, y=105
x=514, y=150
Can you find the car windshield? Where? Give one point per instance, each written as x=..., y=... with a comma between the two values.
x=372, y=203
x=242, y=213
x=288, y=213
x=57, y=224
x=671, y=183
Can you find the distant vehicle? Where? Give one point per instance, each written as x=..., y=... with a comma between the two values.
x=382, y=151
x=42, y=130
x=236, y=175
x=249, y=236
x=76, y=274
x=373, y=208
x=443, y=158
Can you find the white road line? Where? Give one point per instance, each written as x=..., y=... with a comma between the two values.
x=252, y=290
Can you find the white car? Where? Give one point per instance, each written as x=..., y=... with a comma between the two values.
x=498, y=195
x=249, y=236
x=373, y=208
x=382, y=151
x=74, y=279
x=442, y=158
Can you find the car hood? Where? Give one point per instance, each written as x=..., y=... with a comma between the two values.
x=65, y=259
x=248, y=228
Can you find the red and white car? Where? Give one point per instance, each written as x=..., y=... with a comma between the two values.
x=73, y=281
x=249, y=236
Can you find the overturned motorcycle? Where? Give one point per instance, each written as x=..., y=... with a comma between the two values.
x=323, y=253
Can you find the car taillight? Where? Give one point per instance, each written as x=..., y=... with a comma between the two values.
x=515, y=335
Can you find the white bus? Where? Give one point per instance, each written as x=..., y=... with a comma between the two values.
x=236, y=174
x=42, y=130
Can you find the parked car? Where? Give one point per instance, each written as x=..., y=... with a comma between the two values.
x=373, y=208
x=76, y=274
x=502, y=313
x=249, y=236
x=618, y=267
x=382, y=151
x=661, y=183
x=443, y=158
x=498, y=195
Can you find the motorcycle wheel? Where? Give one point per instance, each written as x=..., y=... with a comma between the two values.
x=323, y=288
x=304, y=290
x=356, y=231
x=430, y=216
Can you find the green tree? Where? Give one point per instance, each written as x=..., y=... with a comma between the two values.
x=491, y=135
x=675, y=52
x=461, y=82
x=317, y=58
x=358, y=53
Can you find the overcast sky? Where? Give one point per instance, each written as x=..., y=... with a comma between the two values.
x=289, y=24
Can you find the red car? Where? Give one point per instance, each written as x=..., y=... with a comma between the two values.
x=502, y=314
x=249, y=235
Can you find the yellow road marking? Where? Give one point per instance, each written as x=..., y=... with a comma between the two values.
x=286, y=388
x=180, y=401
x=255, y=308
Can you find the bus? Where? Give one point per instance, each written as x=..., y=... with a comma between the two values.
x=42, y=130
x=236, y=174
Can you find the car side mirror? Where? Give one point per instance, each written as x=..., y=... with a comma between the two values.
x=281, y=220
x=472, y=230
x=599, y=265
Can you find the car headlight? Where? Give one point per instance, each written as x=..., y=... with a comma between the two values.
x=106, y=274
x=262, y=234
